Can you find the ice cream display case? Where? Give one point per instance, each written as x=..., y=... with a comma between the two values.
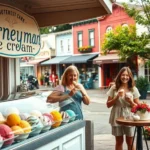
x=31, y=123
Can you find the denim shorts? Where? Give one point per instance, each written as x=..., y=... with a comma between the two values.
x=123, y=130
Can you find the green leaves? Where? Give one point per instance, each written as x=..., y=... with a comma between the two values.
x=127, y=42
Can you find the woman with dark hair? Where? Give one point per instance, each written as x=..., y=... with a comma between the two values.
x=121, y=97
x=69, y=88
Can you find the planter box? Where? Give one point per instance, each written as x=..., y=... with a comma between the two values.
x=88, y=50
x=143, y=94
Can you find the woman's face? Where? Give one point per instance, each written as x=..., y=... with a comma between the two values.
x=71, y=76
x=125, y=77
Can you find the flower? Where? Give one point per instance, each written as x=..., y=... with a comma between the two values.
x=84, y=48
x=143, y=107
x=147, y=131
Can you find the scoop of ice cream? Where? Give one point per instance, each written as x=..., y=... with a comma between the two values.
x=46, y=121
x=50, y=116
x=65, y=117
x=57, y=118
x=13, y=119
x=36, y=125
x=75, y=83
x=121, y=92
x=6, y=133
x=72, y=115
x=36, y=113
x=11, y=110
x=129, y=95
x=24, y=116
x=17, y=130
x=25, y=126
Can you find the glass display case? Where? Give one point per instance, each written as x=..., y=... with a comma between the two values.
x=69, y=136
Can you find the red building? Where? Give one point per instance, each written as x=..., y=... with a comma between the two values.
x=110, y=64
x=83, y=30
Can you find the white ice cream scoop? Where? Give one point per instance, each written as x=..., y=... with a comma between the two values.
x=136, y=117
x=129, y=95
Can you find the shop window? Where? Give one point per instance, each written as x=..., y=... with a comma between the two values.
x=147, y=72
x=68, y=45
x=108, y=29
x=80, y=39
x=61, y=46
x=91, y=37
x=125, y=25
x=4, y=78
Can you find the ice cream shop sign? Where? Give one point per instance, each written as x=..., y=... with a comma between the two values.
x=19, y=33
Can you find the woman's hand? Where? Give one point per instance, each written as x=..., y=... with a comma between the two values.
x=130, y=101
x=72, y=92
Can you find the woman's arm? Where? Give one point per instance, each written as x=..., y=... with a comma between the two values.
x=111, y=101
x=57, y=96
x=130, y=101
x=137, y=101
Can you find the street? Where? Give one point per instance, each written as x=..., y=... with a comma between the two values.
x=99, y=114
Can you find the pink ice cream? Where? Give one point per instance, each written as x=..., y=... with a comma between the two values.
x=6, y=133
x=49, y=116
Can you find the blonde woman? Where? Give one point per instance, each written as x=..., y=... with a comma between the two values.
x=70, y=88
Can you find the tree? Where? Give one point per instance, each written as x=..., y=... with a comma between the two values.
x=59, y=28
x=45, y=30
x=127, y=43
x=125, y=39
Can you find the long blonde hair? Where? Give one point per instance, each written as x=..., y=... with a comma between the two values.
x=64, y=76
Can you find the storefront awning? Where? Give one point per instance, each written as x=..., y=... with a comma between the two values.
x=78, y=59
x=55, y=60
x=69, y=10
x=107, y=59
x=36, y=61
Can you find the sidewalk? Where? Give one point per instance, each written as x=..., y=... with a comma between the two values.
x=104, y=141
x=107, y=141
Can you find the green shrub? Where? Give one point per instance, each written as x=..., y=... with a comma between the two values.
x=142, y=83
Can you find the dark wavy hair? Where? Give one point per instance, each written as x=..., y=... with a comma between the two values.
x=118, y=82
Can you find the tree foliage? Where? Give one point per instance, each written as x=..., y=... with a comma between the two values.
x=125, y=39
x=53, y=29
x=127, y=43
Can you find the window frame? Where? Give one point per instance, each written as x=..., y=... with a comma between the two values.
x=109, y=28
x=69, y=45
x=89, y=31
x=78, y=33
x=61, y=46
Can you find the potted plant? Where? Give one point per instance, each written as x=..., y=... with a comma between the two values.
x=142, y=110
x=41, y=79
x=142, y=85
